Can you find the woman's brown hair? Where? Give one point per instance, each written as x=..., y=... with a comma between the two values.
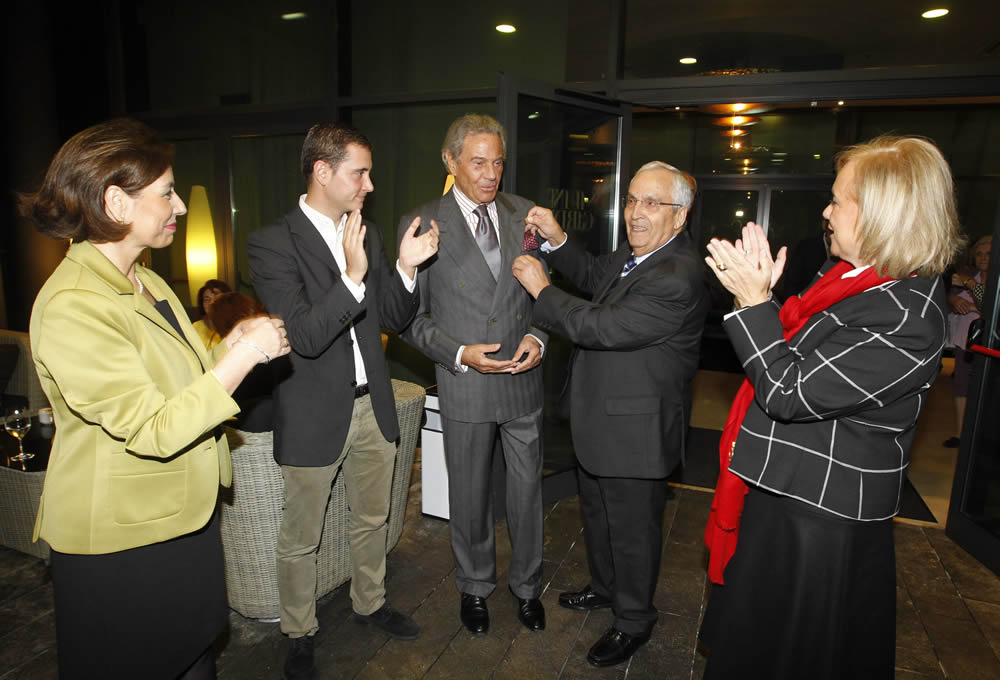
x=70, y=202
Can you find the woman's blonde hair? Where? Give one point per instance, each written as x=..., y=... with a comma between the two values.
x=907, y=220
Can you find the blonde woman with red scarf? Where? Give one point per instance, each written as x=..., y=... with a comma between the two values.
x=816, y=446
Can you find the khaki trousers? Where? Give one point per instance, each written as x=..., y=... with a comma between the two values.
x=368, y=461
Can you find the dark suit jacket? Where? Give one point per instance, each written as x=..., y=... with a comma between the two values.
x=461, y=304
x=637, y=351
x=836, y=407
x=297, y=278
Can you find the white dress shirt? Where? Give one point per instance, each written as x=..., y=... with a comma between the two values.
x=333, y=235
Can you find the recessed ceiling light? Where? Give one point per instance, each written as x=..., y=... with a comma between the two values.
x=934, y=13
x=534, y=115
x=506, y=28
x=293, y=16
x=840, y=102
x=780, y=153
x=688, y=60
x=816, y=155
x=677, y=108
x=739, y=213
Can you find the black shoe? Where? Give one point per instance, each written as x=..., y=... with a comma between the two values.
x=475, y=615
x=614, y=647
x=395, y=624
x=951, y=443
x=584, y=600
x=531, y=613
x=299, y=662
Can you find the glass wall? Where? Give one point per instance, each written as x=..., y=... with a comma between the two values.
x=266, y=184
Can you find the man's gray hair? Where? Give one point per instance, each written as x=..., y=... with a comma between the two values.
x=470, y=124
x=684, y=184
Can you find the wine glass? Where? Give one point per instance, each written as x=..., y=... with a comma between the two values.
x=18, y=422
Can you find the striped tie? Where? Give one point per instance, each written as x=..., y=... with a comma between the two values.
x=629, y=266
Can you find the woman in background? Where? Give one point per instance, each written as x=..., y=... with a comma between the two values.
x=818, y=440
x=965, y=302
x=254, y=393
x=208, y=333
x=129, y=502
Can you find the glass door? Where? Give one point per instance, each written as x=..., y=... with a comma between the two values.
x=974, y=511
x=565, y=152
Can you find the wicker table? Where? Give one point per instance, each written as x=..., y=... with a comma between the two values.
x=20, y=490
x=251, y=513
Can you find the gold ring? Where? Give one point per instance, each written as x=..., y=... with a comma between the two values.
x=721, y=267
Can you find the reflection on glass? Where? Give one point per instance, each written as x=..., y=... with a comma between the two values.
x=567, y=160
x=982, y=502
x=796, y=221
x=723, y=215
x=267, y=182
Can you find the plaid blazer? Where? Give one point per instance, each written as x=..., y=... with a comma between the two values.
x=836, y=407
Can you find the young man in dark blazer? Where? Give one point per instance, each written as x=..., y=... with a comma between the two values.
x=322, y=268
x=475, y=324
x=637, y=342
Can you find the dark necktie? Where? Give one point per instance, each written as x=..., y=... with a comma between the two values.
x=486, y=239
x=630, y=264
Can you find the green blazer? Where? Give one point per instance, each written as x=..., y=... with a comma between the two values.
x=135, y=459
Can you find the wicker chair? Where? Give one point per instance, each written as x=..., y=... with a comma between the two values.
x=251, y=513
x=24, y=381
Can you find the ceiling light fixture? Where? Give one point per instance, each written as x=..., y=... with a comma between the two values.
x=934, y=13
x=293, y=16
x=506, y=28
x=840, y=102
x=534, y=115
x=688, y=60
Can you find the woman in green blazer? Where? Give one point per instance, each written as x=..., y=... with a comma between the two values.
x=130, y=494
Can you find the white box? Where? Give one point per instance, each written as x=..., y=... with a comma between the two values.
x=433, y=471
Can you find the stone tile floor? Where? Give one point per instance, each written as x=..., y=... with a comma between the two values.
x=948, y=620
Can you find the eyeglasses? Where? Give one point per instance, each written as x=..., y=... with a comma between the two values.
x=649, y=204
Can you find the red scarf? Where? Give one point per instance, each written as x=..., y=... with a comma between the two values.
x=727, y=504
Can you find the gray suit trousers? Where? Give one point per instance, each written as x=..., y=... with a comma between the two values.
x=468, y=451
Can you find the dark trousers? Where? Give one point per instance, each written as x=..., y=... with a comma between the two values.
x=623, y=527
x=468, y=452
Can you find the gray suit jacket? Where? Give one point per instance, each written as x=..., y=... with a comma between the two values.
x=637, y=347
x=461, y=304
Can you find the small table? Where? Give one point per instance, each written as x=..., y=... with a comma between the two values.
x=21, y=490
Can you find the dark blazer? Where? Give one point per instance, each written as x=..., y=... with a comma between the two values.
x=836, y=407
x=636, y=352
x=461, y=304
x=297, y=278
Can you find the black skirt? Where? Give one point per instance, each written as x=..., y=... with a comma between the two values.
x=148, y=612
x=807, y=595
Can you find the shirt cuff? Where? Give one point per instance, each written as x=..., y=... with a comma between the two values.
x=548, y=248
x=410, y=284
x=357, y=291
x=459, y=366
x=541, y=345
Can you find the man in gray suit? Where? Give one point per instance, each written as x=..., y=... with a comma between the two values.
x=474, y=322
x=637, y=337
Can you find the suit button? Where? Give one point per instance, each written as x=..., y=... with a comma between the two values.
x=354, y=383
x=519, y=317
x=461, y=284
x=491, y=322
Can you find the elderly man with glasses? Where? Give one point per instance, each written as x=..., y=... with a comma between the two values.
x=637, y=340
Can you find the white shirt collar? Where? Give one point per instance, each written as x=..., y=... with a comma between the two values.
x=319, y=220
x=640, y=258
